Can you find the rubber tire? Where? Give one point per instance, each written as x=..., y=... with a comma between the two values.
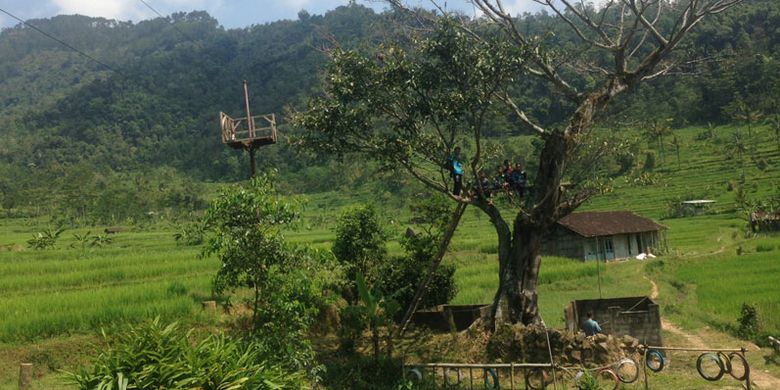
x=661, y=361
x=416, y=373
x=744, y=364
x=726, y=362
x=494, y=377
x=447, y=376
x=623, y=362
x=612, y=377
x=533, y=372
x=715, y=358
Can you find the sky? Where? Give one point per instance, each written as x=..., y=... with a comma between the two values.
x=230, y=13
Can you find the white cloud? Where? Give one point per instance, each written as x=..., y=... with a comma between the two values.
x=515, y=7
x=134, y=9
x=111, y=9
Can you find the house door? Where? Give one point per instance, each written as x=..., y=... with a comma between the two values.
x=609, y=248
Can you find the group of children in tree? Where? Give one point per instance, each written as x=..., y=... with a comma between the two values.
x=509, y=178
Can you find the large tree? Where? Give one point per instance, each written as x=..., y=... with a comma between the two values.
x=408, y=104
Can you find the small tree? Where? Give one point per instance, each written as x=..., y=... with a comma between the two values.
x=360, y=245
x=245, y=223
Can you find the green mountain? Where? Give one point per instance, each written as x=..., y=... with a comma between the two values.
x=154, y=98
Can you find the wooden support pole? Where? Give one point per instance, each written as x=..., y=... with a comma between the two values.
x=252, y=163
x=25, y=376
x=512, y=376
x=249, y=122
x=423, y=285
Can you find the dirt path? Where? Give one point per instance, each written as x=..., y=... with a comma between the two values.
x=761, y=380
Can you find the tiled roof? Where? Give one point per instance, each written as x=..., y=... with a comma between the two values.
x=608, y=223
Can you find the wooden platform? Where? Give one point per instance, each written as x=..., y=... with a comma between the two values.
x=241, y=133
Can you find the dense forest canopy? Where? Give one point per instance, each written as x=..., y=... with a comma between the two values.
x=157, y=105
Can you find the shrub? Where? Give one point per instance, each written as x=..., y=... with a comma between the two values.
x=401, y=275
x=45, y=239
x=747, y=323
x=190, y=234
x=157, y=356
x=360, y=245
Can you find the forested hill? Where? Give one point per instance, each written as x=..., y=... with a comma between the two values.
x=155, y=99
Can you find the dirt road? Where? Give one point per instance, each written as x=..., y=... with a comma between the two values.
x=760, y=380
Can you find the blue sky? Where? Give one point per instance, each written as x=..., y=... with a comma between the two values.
x=230, y=13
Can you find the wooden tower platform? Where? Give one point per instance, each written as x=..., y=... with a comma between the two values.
x=244, y=133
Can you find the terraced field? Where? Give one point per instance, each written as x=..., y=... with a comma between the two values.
x=49, y=294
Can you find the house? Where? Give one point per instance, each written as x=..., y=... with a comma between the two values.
x=604, y=235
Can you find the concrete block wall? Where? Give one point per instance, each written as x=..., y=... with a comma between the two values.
x=638, y=317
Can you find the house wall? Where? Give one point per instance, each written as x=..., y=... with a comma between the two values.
x=564, y=243
x=622, y=245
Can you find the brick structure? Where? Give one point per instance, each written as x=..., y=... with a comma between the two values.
x=638, y=317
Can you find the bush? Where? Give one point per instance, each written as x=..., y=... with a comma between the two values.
x=156, y=356
x=360, y=245
x=401, y=275
x=190, y=234
x=747, y=323
x=765, y=247
x=45, y=239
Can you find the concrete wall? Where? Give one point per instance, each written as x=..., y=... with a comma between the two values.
x=638, y=317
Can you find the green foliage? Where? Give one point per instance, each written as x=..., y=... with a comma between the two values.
x=245, y=224
x=377, y=310
x=155, y=355
x=360, y=244
x=190, y=234
x=401, y=275
x=587, y=381
x=45, y=239
x=86, y=240
x=747, y=323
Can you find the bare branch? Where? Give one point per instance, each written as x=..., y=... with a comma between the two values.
x=573, y=26
x=584, y=17
x=521, y=114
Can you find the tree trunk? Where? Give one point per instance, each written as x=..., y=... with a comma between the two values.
x=516, y=298
x=519, y=249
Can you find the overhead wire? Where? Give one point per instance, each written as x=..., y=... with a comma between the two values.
x=62, y=42
x=172, y=24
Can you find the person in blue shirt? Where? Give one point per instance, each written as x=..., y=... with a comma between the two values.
x=455, y=166
x=519, y=179
x=590, y=326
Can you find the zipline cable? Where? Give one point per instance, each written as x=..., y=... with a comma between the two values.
x=62, y=42
x=172, y=24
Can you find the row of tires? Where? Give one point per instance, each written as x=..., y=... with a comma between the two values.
x=711, y=365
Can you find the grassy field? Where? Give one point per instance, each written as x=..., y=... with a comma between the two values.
x=53, y=301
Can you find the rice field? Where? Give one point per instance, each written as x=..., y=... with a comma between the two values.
x=52, y=292
x=66, y=291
